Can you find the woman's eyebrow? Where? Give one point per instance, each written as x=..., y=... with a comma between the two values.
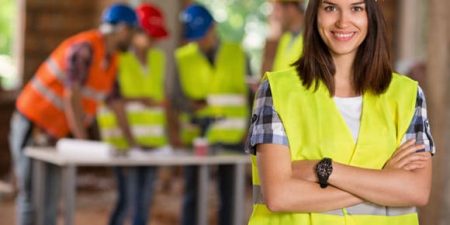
x=356, y=3
x=329, y=3
x=359, y=3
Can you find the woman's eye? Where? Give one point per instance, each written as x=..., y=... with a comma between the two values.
x=358, y=9
x=330, y=8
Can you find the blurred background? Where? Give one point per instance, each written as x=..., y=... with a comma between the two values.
x=31, y=29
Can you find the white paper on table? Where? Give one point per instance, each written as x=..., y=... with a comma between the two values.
x=76, y=148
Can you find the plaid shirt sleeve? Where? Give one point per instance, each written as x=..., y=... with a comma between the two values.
x=266, y=126
x=78, y=61
x=419, y=128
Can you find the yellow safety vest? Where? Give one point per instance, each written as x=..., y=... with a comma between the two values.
x=288, y=51
x=147, y=124
x=316, y=129
x=222, y=85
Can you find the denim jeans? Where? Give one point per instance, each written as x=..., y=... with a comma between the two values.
x=20, y=137
x=135, y=193
x=225, y=177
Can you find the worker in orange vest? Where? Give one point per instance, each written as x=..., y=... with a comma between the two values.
x=62, y=98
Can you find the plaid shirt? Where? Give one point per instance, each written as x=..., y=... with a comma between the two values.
x=267, y=128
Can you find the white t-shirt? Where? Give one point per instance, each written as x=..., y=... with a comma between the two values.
x=350, y=109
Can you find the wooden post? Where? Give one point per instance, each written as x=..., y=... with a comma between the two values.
x=438, y=72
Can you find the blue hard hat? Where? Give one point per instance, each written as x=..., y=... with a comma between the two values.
x=196, y=21
x=120, y=13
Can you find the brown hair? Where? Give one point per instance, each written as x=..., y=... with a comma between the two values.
x=372, y=67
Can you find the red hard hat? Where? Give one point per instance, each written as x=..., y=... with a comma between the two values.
x=151, y=20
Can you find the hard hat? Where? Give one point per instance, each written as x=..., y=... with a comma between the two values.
x=196, y=21
x=120, y=13
x=151, y=21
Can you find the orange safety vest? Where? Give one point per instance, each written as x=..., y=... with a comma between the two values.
x=42, y=99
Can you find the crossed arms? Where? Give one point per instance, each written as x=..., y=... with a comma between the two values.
x=289, y=186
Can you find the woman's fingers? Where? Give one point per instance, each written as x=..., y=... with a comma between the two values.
x=405, y=152
x=414, y=157
x=415, y=166
x=404, y=146
x=407, y=156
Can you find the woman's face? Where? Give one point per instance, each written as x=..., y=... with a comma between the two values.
x=342, y=25
x=141, y=40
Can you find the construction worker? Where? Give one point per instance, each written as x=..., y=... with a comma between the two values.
x=340, y=138
x=137, y=118
x=212, y=82
x=62, y=98
x=289, y=16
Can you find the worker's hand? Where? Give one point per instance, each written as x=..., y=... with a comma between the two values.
x=151, y=102
x=305, y=170
x=275, y=22
x=198, y=104
x=407, y=158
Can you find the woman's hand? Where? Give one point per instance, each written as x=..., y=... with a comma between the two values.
x=407, y=158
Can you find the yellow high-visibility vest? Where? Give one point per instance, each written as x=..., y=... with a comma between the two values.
x=222, y=85
x=288, y=51
x=147, y=124
x=316, y=129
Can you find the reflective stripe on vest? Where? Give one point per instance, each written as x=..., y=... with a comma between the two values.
x=55, y=70
x=388, y=114
x=365, y=208
x=288, y=51
x=137, y=107
x=47, y=93
x=92, y=94
x=222, y=85
x=226, y=100
x=147, y=124
x=230, y=123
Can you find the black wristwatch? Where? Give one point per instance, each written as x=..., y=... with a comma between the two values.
x=324, y=169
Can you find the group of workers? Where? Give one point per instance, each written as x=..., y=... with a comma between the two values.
x=115, y=75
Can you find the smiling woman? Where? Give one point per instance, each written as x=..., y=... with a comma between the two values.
x=340, y=138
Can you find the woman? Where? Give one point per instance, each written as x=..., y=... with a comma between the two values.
x=139, y=118
x=340, y=138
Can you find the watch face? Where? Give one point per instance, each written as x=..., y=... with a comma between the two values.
x=324, y=168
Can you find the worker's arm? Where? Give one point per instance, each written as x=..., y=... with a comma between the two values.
x=283, y=192
x=275, y=30
x=176, y=102
x=118, y=107
x=404, y=181
x=74, y=111
x=173, y=124
x=79, y=60
x=149, y=102
x=390, y=186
